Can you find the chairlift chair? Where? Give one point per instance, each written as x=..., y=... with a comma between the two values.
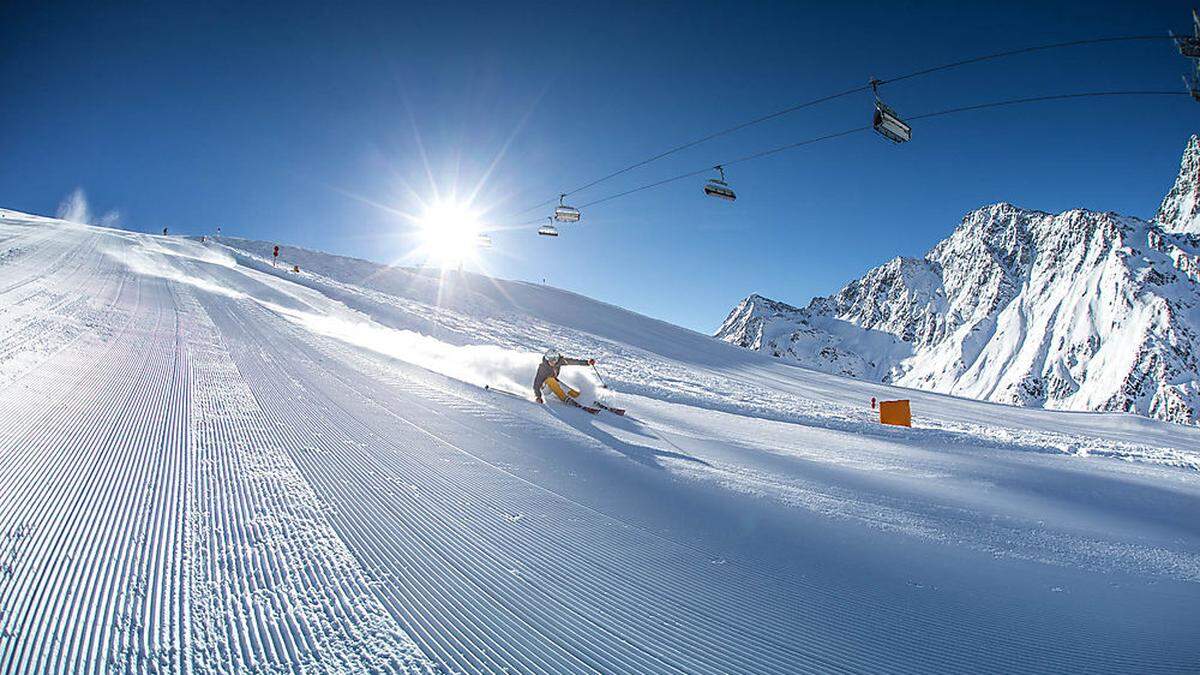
x=887, y=122
x=548, y=230
x=1189, y=45
x=717, y=187
x=483, y=240
x=564, y=213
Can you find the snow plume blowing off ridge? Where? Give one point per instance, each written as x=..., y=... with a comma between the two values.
x=507, y=369
x=74, y=209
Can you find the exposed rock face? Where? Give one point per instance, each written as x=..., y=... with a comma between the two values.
x=1081, y=310
x=1180, y=209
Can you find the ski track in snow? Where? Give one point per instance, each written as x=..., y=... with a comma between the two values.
x=192, y=482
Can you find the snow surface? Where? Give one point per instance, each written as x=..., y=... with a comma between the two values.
x=211, y=464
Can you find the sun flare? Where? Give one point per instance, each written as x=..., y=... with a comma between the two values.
x=449, y=234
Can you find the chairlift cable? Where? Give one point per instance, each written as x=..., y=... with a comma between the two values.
x=747, y=158
x=705, y=139
x=847, y=132
x=830, y=97
x=716, y=134
x=1052, y=97
x=1024, y=50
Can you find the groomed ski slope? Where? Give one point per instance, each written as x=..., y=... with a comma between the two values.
x=210, y=464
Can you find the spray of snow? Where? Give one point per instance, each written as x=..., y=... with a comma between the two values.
x=482, y=365
x=153, y=264
x=74, y=209
x=183, y=248
x=507, y=369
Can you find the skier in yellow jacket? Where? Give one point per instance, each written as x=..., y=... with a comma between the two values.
x=547, y=375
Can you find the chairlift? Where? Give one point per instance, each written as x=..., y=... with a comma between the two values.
x=717, y=187
x=548, y=230
x=1189, y=45
x=887, y=122
x=564, y=213
x=1193, y=85
x=483, y=241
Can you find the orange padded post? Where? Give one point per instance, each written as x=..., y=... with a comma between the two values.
x=895, y=412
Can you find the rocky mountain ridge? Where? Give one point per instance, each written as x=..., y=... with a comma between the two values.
x=1081, y=310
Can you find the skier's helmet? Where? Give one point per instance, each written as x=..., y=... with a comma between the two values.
x=551, y=355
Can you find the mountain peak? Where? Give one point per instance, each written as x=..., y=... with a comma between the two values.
x=765, y=303
x=1078, y=310
x=1180, y=209
x=744, y=325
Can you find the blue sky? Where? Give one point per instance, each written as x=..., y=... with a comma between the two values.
x=316, y=124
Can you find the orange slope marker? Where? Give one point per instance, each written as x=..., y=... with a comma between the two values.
x=895, y=412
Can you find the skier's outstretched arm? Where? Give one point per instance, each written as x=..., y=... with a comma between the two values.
x=577, y=362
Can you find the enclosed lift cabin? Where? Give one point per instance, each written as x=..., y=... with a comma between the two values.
x=887, y=122
x=717, y=187
x=564, y=213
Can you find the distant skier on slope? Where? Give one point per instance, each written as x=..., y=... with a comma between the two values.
x=547, y=375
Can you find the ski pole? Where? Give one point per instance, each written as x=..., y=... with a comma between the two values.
x=597, y=371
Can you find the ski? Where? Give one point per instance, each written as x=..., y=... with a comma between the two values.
x=570, y=401
x=609, y=408
x=577, y=404
x=488, y=387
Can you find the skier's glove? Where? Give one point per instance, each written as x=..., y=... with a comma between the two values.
x=591, y=362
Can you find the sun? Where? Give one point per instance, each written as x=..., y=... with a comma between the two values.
x=449, y=234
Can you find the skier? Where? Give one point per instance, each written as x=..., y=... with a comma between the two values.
x=547, y=375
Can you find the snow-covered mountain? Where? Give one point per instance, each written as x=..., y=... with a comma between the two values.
x=1180, y=209
x=1081, y=310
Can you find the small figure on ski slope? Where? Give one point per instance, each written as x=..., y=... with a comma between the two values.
x=547, y=375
